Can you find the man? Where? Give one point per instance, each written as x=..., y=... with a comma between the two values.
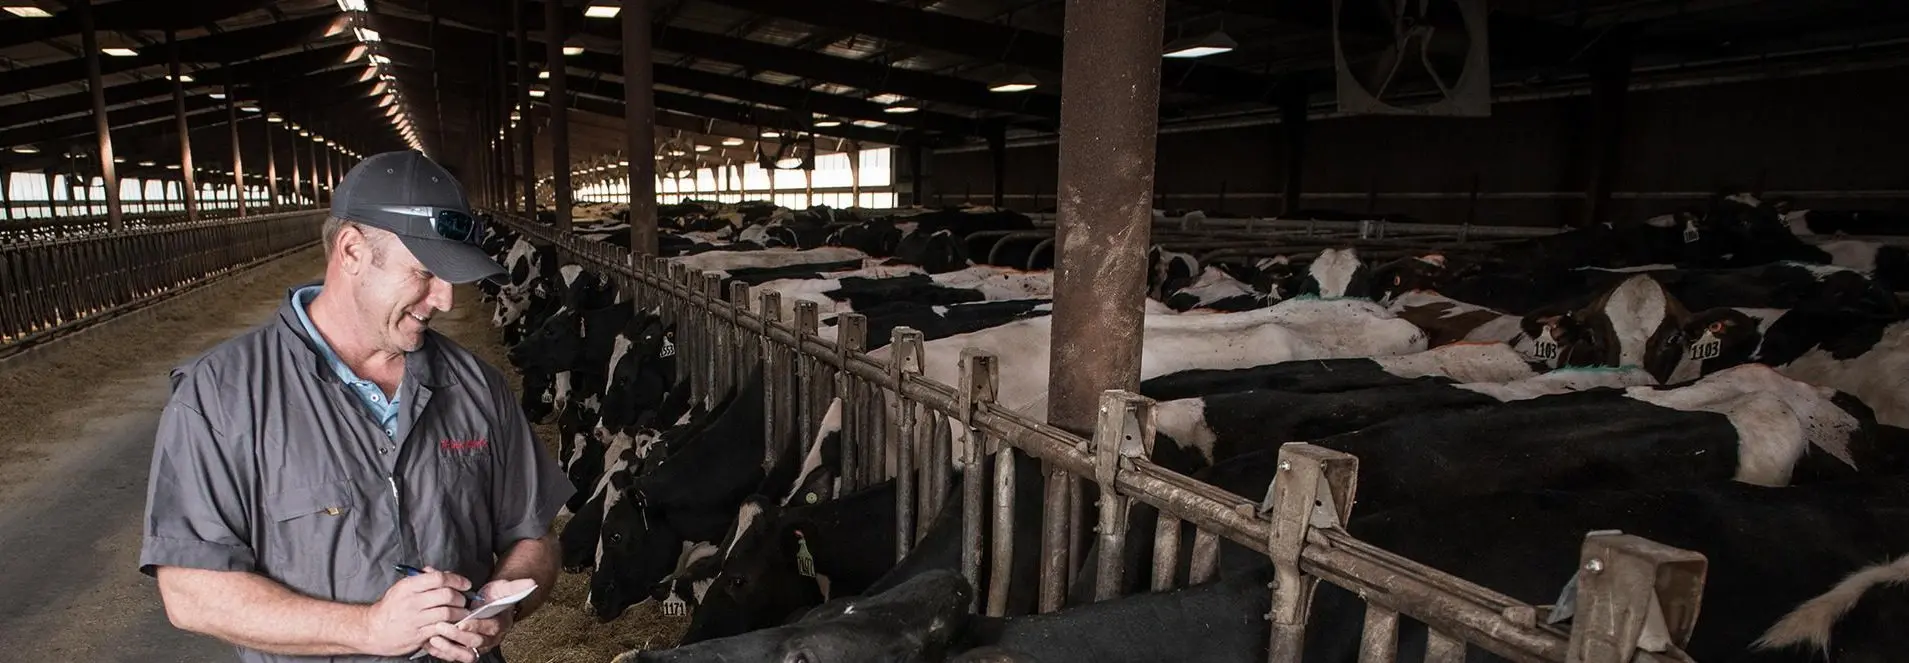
x=298, y=465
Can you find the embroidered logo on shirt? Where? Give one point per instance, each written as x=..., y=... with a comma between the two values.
x=463, y=445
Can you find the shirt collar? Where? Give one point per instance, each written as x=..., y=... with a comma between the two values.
x=421, y=366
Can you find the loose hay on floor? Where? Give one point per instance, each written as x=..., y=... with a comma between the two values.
x=563, y=630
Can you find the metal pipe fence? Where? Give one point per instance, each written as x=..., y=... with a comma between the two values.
x=898, y=424
x=50, y=287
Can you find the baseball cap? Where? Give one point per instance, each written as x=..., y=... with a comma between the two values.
x=418, y=200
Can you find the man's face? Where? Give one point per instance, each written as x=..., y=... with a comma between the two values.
x=397, y=296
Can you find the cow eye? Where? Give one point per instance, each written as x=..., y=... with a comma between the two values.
x=738, y=581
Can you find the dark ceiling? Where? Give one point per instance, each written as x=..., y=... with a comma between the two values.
x=728, y=68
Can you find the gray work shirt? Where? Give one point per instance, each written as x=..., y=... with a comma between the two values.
x=266, y=462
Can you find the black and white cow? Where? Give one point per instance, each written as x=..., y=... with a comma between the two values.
x=1862, y=355
x=913, y=622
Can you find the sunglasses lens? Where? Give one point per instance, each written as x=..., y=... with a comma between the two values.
x=454, y=226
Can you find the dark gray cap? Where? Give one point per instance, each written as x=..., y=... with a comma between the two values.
x=412, y=196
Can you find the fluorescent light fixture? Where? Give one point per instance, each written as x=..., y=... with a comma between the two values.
x=545, y=74
x=573, y=50
x=119, y=159
x=249, y=107
x=26, y=12
x=183, y=78
x=1021, y=81
x=172, y=166
x=119, y=52
x=659, y=157
x=274, y=119
x=602, y=11
x=677, y=153
x=887, y=98
x=351, y=5
x=318, y=139
x=515, y=116
x=623, y=163
x=900, y=109
x=703, y=148
x=1212, y=43
x=379, y=59
x=870, y=123
x=367, y=34
x=26, y=149
x=537, y=94
x=789, y=163
x=147, y=164
x=828, y=122
x=218, y=95
x=302, y=133
x=771, y=134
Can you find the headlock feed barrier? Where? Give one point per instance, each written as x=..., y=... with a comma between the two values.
x=48, y=288
x=897, y=424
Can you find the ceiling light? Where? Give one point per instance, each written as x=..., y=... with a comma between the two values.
x=26, y=149
x=870, y=123
x=1021, y=81
x=573, y=50
x=146, y=163
x=1212, y=43
x=218, y=95
x=732, y=142
x=26, y=12
x=828, y=122
x=119, y=52
x=703, y=148
x=172, y=166
x=789, y=163
x=119, y=159
x=351, y=5
x=379, y=59
x=887, y=98
x=249, y=107
x=367, y=34
x=623, y=163
x=274, y=118
x=602, y=11
x=515, y=116
x=303, y=133
x=545, y=74
x=183, y=78
x=537, y=94
x=677, y=153
x=659, y=157
x=900, y=109
x=771, y=134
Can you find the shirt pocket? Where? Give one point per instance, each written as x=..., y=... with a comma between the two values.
x=317, y=537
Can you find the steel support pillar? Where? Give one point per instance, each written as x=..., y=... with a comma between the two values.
x=238, y=158
x=507, y=191
x=558, y=98
x=298, y=179
x=639, y=121
x=1109, y=123
x=855, y=173
x=191, y=187
x=529, y=135
x=108, y=169
x=271, y=171
x=1292, y=132
x=1610, y=85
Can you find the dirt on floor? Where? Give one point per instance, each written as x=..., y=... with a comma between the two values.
x=564, y=630
x=37, y=388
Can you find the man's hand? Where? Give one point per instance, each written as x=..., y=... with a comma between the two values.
x=479, y=635
x=413, y=611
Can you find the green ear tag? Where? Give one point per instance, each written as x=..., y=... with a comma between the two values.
x=804, y=562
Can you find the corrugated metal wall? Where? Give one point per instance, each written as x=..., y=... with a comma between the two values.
x=1843, y=132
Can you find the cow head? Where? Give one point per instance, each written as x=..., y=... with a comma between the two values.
x=1635, y=323
x=642, y=370
x=1426, y=272
x=1337, y=273
x=1721, y=338
x=913, y=622
x=764, y=576
x=936, y=252
x=1169, y=271
x=552, y=347
x=682, y=592
x=637, y=548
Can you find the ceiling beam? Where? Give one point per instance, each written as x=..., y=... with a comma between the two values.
x=127, y=16
x=234, y=46
x=995, y=43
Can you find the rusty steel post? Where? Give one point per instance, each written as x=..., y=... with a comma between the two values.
x=559, y=102
x=639, y=124
x=108, y=169
x=238, y=158
x=1109, y=121
x=529, y=150
x=271, y=171
x=190, y=187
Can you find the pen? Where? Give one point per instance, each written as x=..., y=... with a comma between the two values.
x=409, y=571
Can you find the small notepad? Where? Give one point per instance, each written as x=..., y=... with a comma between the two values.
x=488, y=610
